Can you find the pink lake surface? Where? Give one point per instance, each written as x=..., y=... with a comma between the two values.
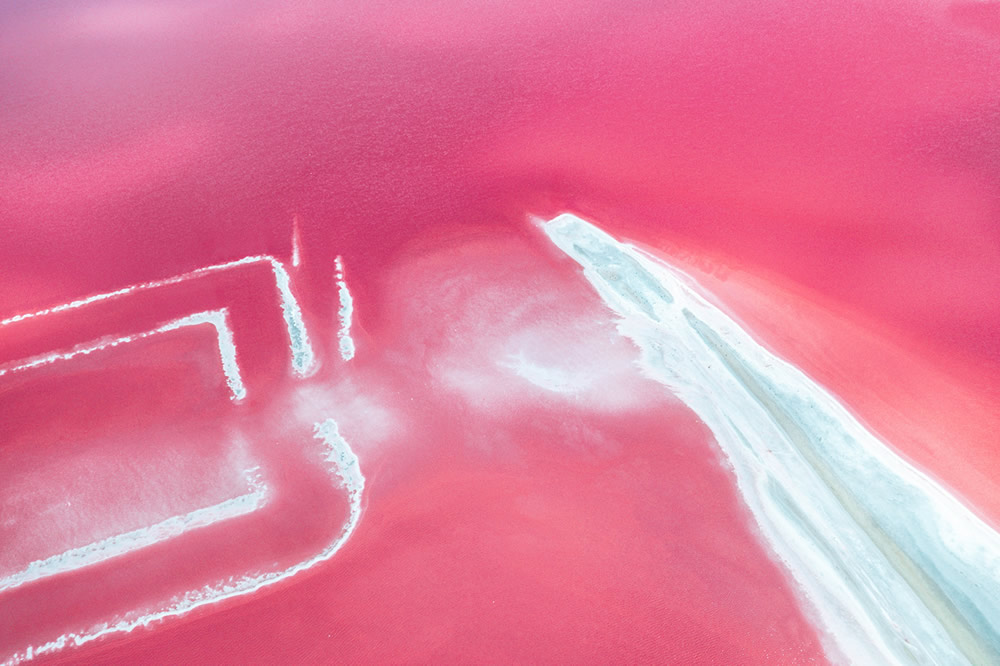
x=831, y=174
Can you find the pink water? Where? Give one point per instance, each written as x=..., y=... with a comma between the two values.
x=831, y=173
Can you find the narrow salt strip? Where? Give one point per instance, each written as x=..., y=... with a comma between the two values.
x=345, y=314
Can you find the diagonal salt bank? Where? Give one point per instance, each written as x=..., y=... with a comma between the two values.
x=896, y=569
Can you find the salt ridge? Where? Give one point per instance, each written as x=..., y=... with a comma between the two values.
x=217, y=319
x=344, y=314
x=343, y=466
x=303, y=357
x=895, y=567
x=122, y=544
x=340, y=459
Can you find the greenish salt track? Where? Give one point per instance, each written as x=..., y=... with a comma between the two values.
x=892, y=566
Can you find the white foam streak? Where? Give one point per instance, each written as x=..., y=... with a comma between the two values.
x=122, y=544
x=554, y=379
x=345, y=314
x=344, y=468
x=296, y=243
x=896, y=568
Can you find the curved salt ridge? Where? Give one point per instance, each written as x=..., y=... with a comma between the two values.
x=218, y=319
x=122, y=544
x=344, y=467
x=303, y=358
x=345, y=314
x=896, y=568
